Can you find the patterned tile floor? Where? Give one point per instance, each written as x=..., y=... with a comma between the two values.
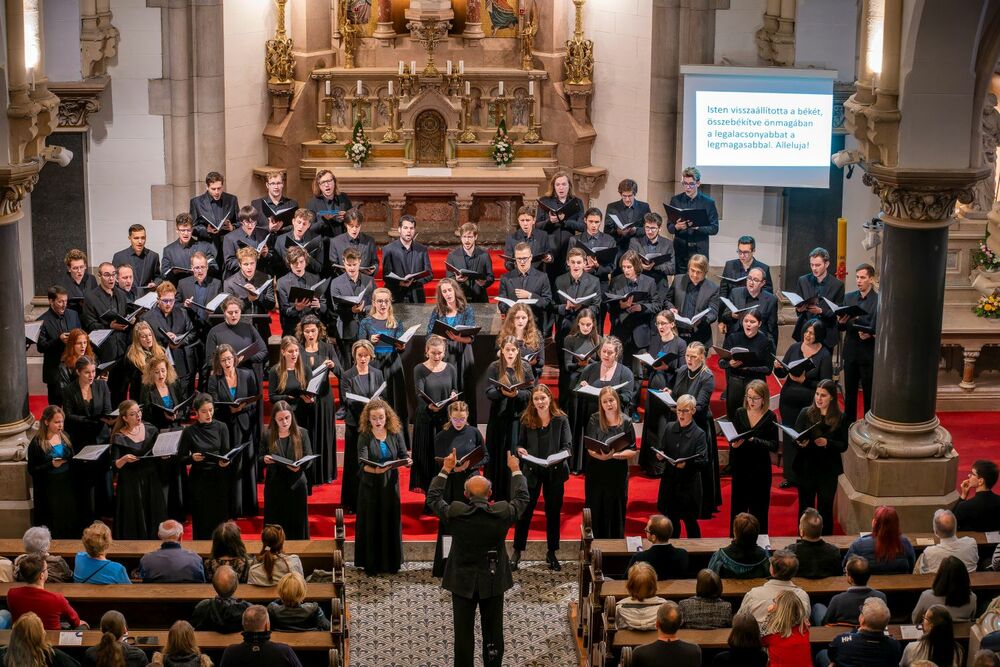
x=404, y=620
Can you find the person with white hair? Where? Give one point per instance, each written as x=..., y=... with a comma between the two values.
x=963, y=548
x=171, y=563
x=37, y=540
x=868, y=645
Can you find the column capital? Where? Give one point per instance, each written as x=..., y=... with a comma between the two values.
x=922, y=195
x=16, y=182
x=77, y=100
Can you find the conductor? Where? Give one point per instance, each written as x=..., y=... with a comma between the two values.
x=477, y=572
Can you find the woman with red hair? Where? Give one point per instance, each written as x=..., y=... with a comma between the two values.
x=885, y=548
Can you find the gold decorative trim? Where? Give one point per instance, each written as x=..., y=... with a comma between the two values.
x=77, y=100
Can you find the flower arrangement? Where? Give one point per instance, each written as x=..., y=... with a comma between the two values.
x=502, y=148
x=359, y=148
x=988, y=306
x=984, y=258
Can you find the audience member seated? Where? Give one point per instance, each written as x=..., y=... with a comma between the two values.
x=845, y=607
x=92, y=566
x=952, y=590
x=6, y=570
x=670, y=562
x=783, y=567
x=228, y=549
x=112, y=649
x=817, y=557
x=786, y=632
x=291, y=614
x=52, y=608
x=171, y=563
x=743, y=558
x=638, y=610
x=981, y=512
x=868, y=646
x=224, y=612
x=986, y=658
x=887, y=550
x=707, y=610
x=745, y=647
x=28, y=646
x=37, y=541
x=937, y=643
x=963, y=548
x=667, y=649
x=181, y=649
x=272, y=564
x=257, y=647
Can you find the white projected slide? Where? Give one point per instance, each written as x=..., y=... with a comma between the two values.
x=766, y=129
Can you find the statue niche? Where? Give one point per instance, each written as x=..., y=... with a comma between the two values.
x=430, y=132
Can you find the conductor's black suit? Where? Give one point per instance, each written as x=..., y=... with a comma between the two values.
x=478, y=572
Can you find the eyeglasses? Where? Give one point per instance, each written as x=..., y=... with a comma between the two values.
x=744, y=253
x=168, y=300
x=647, y=531
x=689, y=184
x=686, y=411
x=133, y=413
x=326, y=181
x=105, y=274
x=383, y=300
x=523, y=259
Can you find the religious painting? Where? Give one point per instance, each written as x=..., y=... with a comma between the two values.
x=362, y=14
x=500, y=17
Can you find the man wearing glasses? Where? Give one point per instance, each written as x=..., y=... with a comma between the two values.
x=526, y=282
x=100, y=306
x=172, y=327
x=736, y=270
x=979, y=507
x=753, y=294
x=670, y=562
x=690, y=240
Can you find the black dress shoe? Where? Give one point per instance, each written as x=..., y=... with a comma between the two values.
x=515, y=559
x=553, y=562
x=785, y=484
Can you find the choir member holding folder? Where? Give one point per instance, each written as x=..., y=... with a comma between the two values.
x=328, y=203
x=735, y=272
x=695, y=301
x=525, y=285
x=521, y=324
x=287, y=381
x=52, y=337
x=143, y=348
x=693, y=217
x=543, y=445
x=698, y=381
x=751, y=295
x=470, y=265
x=105, y=307
x=815, y=289
x=349, y=298
x=601, y=249
x=300, y=293
x=176, y=263
x=251, y=351
x=822, y=439
x=752, y=436
x=623, y=218
x=510, y=380
x=88, y=414
x=610, y=372
x=52, y=477
x=141, y=504
x=301, y=236
x=633, y=303
x=249, y=235
x=575, y=290
x=214, y=211
x=175, y=331
x=321, y=358
x=746, y=356
x=406, y=264
x=666, y=350
x=77, y=345
x=358, y=386
x=167, y=408
x=206, y=444
x=578, y=351
x=388, y=338
x=610, y=445
x=254, y=290
x=453, y=319
x=287, y=453
x=859, y=341
x=236, y=393
x=560, y=215
x=656, y=253
x=435, y=382
x=682, y=445
x=527, y=233
x=353, y=238
x=274, y=209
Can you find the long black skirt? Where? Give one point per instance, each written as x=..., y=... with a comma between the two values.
x=349, y=478
x=426, y=426
x=141, y=502
x=210, y=488
x=378, y=542
x=285, y=496
x=323, y=437
x=606, y=494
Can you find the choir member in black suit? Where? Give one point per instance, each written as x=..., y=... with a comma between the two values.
x=141, y=504
x=578, y=351
x=175, y=331
x=161, y=393
x=239, y=335
x=77, y=345
x=274, y=209
x=77, y=280
x=87, y=404
x=318, y=352
x=681, y=488
x=690, y=241
x=301, y=235
x=819, y=282
x=363, y=379
x=525, y=282
x=176, y=263
x=328, y=203
x=286, y=489
x=452, y=309
x=753, y=294
x=378, y=545
x=630, y=213
x=544, y=432
x=698, y=381
x=668, y=349
x=652, y=247
x=578, y=284
x=226, y=385
x=506, y=406
x=736, y=270
x=143, y=348
x=248, y=235
x=691, y=294
x=859, y=342
x=144, y=262
x=57, y=322
x=738, y=373
x=593, y=238
x=470, y=257
x=196, y=290
x=799, y=387
x=49, y=457
x=287, y=381
x=203, y=442
x=346, y=315
x=214, y=212
x=354, y=238
x=100, y=306
x=609, y=372
x=818, y=463
x=402, y=257
x=560, y=215
x=125, y=282
x=433, y=380
x=461, y=437
x=526, y=232
x=634, y=315
x=382, y=321
x=750, y=456
x=606, y=486
x=291, y=312
x=521, y=324
x=254, y=290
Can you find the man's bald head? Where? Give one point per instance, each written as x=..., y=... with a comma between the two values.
x=944, y=523
x=225, y=581
x=478, y=487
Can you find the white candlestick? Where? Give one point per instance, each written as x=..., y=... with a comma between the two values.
x=401, y=66
x=501, y=89
x=461, y=67
x=413, y=67
x=359, y=88
x=449, y=68
x=468, y=89
x=328, y=84
x=531, y=88
x=390, y=87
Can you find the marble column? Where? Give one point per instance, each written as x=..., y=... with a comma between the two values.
x=899, y=454
x=383, y=29
x=473, y=22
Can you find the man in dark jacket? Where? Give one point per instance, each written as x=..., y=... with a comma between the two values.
x=57, y=322
x=979, y=507
x=223, y=613
x=868, y=646
x=257, y=647
x=478, y=571
x=171, y=563
x=668, y=561
x=817, y=558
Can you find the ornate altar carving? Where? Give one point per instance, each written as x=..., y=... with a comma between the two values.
x=429, y=136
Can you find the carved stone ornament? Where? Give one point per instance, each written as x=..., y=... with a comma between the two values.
x=16, y=182
x=77, y=100
x=922, y=195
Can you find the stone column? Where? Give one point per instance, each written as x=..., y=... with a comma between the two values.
x=209, y=88
x=783, y=42
x=863, y=85
x=384, y=32
x=22, y=111
x=887, y=89
x=48, y=113
x=899, y=454
x=473, y=22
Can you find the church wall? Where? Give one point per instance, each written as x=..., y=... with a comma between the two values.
x=62, y=40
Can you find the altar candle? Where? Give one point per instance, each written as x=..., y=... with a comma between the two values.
x=401, y=66
x=449, y=68
x=359, y=87
x=390, y=87
x=501, y=89
x=461, y=67
x=413, y=67
x=468, y=89
x=328, y=84
x=531, y=88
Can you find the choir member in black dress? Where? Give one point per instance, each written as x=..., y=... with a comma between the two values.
x=526, y=232
x=402, y=257
x=328, y=203
x=680, y=495
x=520, y=323
x=452, y=309
x=606, y=486
x=77, y=280
x=560, y=215
x=49, y=457
x=77, y=345
x=239, y=336
x=506, y=406
x=819, y=282
x=287, y=381
x=292, y=312
x=470, y=257
x=799, y=387
x=378, y=545
x=316, y=352
x=689, y=241
x=668, y=349
x=609, y=372
x=750, y=456
x=87, y=403
x=739, y=374
x=143, y=348
x=161, y=393
x=174, y=330
x=249, y=234
x=211, y=482
x=698, y=381
x=346, y=315
x=578, y=351
x=285, y=487
x=356, y=240
x=461, y=437
x=630, y=213
x=859, y=342
x=226, y=385
x=633, y=316
x=382, y=321
x=101, y=306
x=577, y=284
x=53, y=336
x=544, y=433
x=818, y=462
x=692, y=294
x=363, y=379
x=254, y=290
x=140, y=500
x=436, y=380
